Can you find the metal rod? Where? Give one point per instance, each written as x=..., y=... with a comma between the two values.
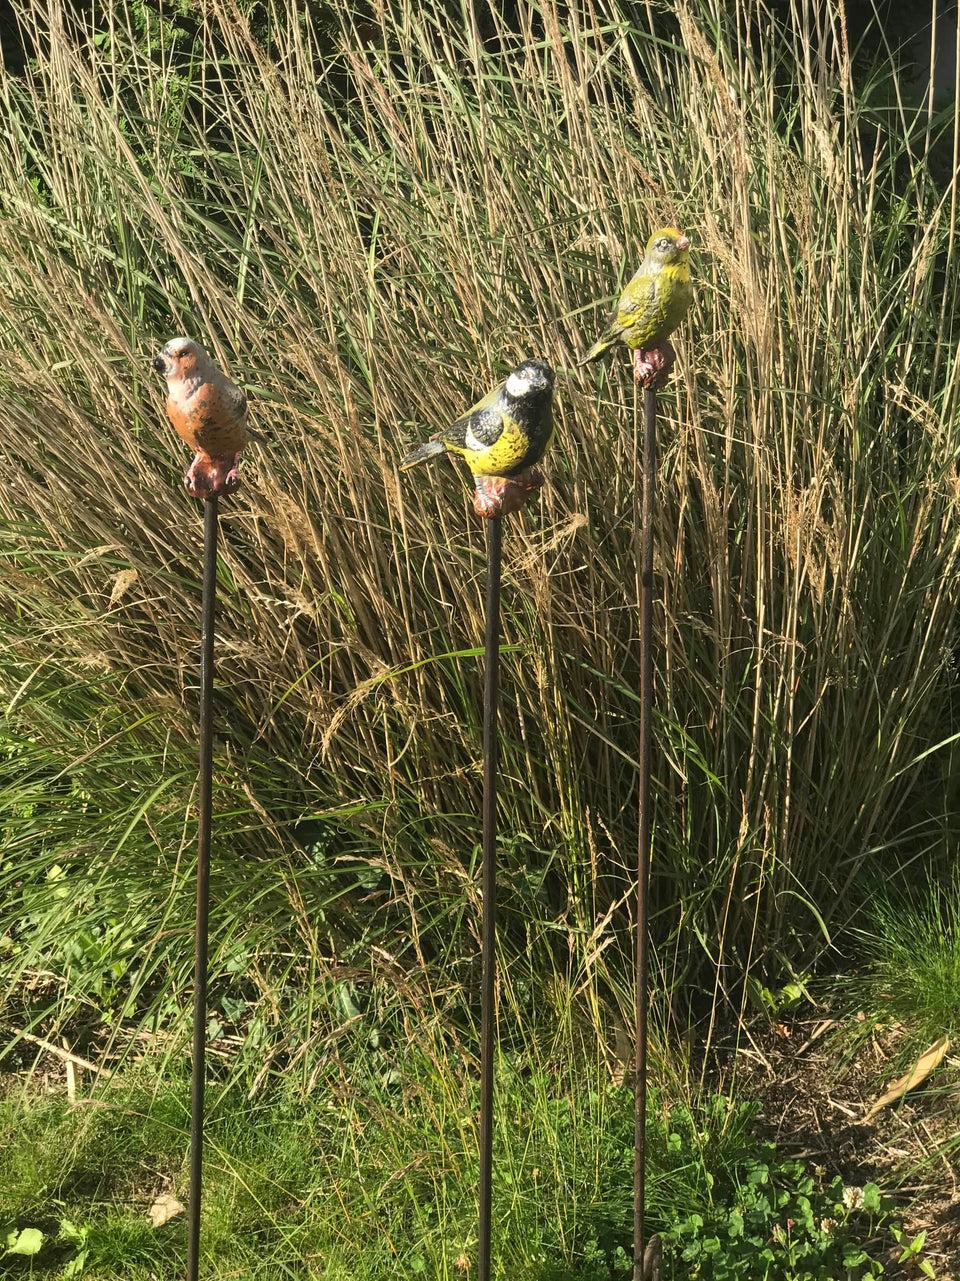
x=488, y=936
x=644, y=838
x=204, y=803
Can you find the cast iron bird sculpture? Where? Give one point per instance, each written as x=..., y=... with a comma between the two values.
x=651, y=307
x=209, y=412
x=501, y=438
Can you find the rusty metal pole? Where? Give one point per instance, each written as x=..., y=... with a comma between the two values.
x=496, y=496
x=208, y=411
x=211, y=518
x=644, y=839
x=488, y=937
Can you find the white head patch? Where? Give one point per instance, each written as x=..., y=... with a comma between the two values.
x=517, y=385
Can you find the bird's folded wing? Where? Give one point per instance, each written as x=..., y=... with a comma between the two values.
x=479, y=428
x=638, y=297
x=234, y=399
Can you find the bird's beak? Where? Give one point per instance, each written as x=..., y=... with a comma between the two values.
x=683, y=243
x=159, y=364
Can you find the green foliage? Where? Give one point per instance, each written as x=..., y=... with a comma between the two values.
x=383, y=1173
x=911, y=950
x=27, y=1241
x=778, y=1222
x=912, y=1252
x=379, y=1171
x=77, y=1235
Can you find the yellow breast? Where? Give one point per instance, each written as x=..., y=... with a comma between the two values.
x=506, y=453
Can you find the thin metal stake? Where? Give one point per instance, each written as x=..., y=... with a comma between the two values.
x=643, y=844
x=204, y=803
x=488, y=1021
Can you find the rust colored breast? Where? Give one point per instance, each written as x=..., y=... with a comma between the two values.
x=205, y=422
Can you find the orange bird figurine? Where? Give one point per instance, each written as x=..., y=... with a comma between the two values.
x=209, y=412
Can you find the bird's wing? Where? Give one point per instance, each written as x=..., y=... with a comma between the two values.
x=636, y=299
x=234, y=398
x=639, y=296
x=478, y=429
x=480, y=426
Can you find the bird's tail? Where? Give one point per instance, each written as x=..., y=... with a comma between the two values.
x=598, y=348
x=429, y=449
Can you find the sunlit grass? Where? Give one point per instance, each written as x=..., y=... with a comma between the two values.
x=368, y=225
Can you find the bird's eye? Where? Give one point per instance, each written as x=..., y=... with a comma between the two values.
x=664, y=244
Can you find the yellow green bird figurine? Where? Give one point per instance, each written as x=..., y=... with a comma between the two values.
x=501, y=438
x=651, y=307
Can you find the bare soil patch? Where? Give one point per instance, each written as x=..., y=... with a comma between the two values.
x=816, y=1084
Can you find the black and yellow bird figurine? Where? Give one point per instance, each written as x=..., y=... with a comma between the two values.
x=501, y=438
x=652, y=305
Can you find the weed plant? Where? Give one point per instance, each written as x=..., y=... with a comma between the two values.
x=368, y=224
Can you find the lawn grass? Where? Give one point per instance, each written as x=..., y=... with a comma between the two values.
x=907, y=980
x=916, y=962
x=370, y=1175
x=375, y=1171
